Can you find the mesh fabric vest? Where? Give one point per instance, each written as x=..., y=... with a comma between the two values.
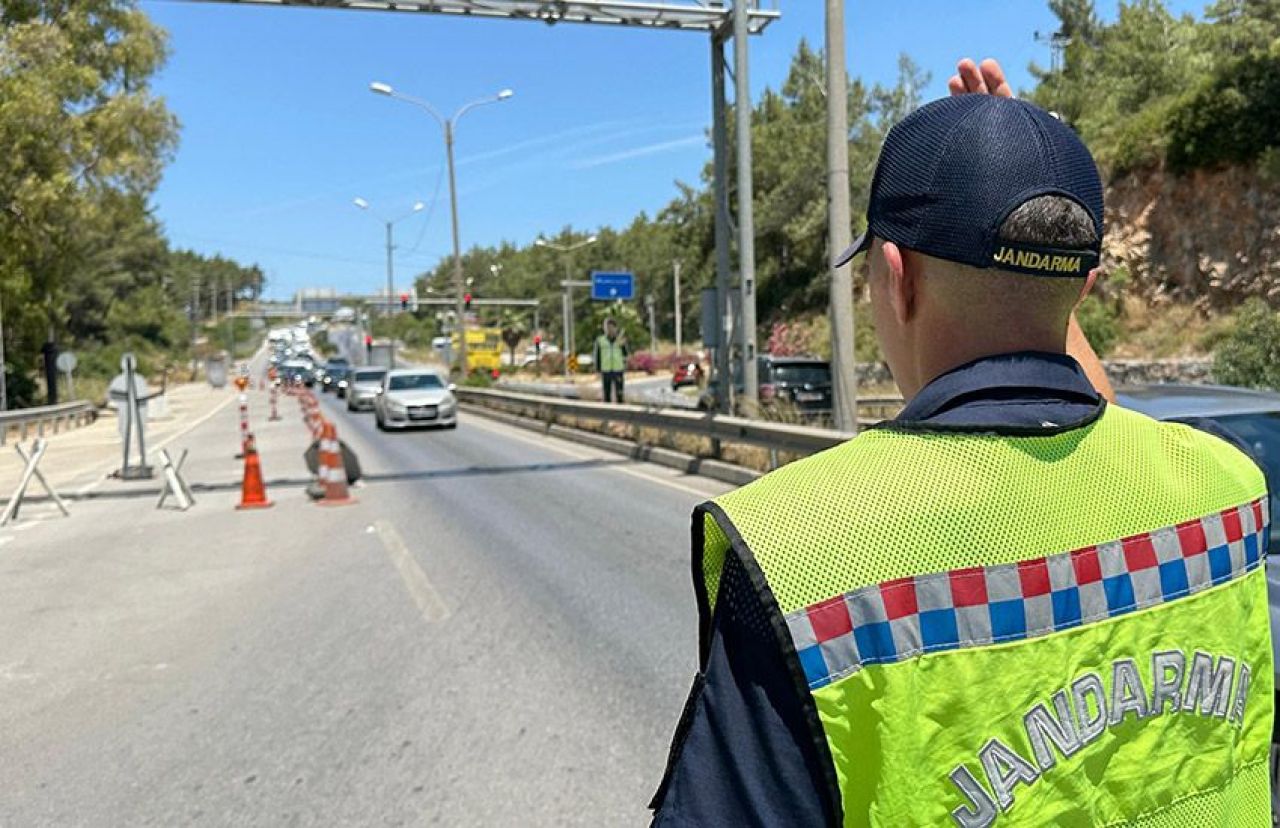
x=611, y=358
x=1051, y=629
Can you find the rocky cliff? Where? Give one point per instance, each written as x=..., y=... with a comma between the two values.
x=1211, y=237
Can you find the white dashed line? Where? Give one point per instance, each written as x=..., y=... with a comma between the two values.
x=424, y=595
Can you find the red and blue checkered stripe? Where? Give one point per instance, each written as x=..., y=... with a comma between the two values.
x=896, y=620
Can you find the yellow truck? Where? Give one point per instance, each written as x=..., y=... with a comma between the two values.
x=484, y=348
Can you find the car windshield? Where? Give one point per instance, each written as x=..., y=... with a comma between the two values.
x=412, y=382
x=799, y=373
x=370, y=376
x=1260, y=435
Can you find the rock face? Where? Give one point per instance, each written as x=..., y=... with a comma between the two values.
x=1211, y=237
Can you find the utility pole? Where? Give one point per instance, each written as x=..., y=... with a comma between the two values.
x=458, y=288
x=843, y=356
x=746, y=220
x=720, y=193
x=675, y=278
x=231, y=321
x=653, y=330
x=391, y=348
x=195, y=315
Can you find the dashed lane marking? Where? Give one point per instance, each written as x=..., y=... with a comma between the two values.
x=424, y=595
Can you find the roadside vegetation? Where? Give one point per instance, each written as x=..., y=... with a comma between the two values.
x=83, y=262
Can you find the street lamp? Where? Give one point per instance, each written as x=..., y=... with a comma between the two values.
x=449, y=125
x=364, y=205
x=566, y=305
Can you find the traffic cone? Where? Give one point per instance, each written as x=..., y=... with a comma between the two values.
x=253, y=493
x=333, y=474
x=275, y=414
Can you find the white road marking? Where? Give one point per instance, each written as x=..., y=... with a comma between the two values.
x=552, y=442
x=424, y=595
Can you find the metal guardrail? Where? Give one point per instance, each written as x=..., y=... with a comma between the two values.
x=777, y=436
x=27, y=421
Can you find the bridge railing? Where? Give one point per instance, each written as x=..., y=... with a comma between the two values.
x=785, y=437
x=46, y=419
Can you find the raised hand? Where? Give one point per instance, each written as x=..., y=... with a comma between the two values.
x=986, y=78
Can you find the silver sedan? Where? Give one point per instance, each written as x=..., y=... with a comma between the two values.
x=415, y=397
x=364, y=386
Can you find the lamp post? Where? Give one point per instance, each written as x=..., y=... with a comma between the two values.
x=566, y=304
x=417, y=207
x=449, y=125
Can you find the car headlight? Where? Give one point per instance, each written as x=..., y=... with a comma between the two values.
x=396, y=406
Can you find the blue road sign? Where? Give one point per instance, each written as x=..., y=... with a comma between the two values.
x=608, y=285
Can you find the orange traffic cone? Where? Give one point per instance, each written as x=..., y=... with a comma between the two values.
x=253, y=493
x=333, y=474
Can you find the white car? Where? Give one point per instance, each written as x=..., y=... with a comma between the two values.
x=363, y=387
x=415, y=397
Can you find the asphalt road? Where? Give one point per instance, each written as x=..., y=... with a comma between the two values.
x=500, y=632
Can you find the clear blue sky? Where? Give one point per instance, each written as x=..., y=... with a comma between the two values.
x=280, y=132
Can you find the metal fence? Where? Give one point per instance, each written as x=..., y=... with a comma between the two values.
x=797, y=439
x=48, y=419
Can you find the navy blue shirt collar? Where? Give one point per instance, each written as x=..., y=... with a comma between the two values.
x=1024, y=390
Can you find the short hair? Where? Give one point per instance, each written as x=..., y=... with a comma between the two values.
x=1050, y=221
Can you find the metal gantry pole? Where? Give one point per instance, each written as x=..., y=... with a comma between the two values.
x=843, y=356
x=458, y=287
x=720, y=193
x=746, y=220
x=391, y=349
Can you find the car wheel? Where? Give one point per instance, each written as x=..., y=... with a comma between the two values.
x=381, y=425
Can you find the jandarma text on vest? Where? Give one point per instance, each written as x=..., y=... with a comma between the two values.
x=1077, y=715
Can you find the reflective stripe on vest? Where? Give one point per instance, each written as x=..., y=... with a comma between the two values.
x=611, y=358
x=1020, y=630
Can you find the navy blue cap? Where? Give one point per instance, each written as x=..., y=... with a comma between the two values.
x=951, y=172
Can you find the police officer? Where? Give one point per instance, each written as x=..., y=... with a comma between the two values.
x=610, y=356
x=1013, y=604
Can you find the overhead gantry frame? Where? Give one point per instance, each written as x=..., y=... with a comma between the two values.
x=724, y=23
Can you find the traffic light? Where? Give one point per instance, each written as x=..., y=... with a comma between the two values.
x=404, y=301
x=466, y=300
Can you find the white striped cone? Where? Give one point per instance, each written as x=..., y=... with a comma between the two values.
x=332, y=472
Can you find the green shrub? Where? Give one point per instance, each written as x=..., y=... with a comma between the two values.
x=1250, y=354
x=1230, y=118
x=1100, y=322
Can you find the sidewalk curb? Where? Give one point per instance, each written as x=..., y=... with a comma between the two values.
x=687, y=463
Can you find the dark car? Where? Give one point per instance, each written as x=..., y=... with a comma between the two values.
x=294, y=372
x=804, y=382
x=335, y=376
x=801, y=382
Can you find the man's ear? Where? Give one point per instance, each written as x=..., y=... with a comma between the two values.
x=901, y=282
x=1088, y=284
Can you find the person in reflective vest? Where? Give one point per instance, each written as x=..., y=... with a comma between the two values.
x=1013, y=604
x=610, y=355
